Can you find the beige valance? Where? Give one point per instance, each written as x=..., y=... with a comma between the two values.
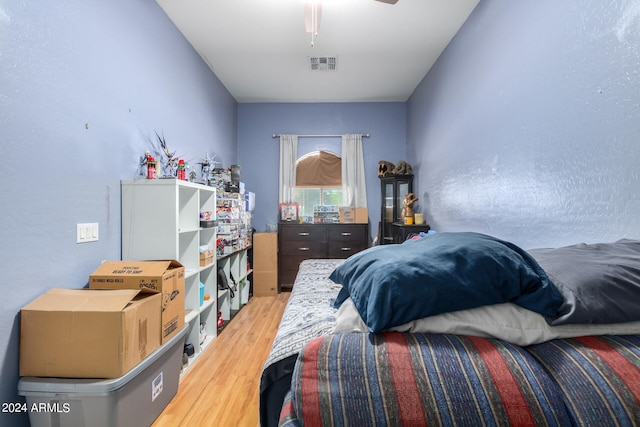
x=321, y=169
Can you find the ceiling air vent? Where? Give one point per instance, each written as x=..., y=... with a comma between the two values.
x=323, y=63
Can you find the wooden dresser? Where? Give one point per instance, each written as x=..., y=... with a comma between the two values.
x=297, y=242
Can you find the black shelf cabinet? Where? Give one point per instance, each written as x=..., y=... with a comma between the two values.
x=403, y=231
x=393, y=189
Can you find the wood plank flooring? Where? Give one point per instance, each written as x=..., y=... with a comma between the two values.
x=221, y=388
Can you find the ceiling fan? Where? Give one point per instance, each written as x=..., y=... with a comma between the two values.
x=313, y=12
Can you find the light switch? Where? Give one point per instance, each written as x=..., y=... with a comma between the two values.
x=87, y=232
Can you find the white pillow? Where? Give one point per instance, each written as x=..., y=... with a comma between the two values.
x=508, y=322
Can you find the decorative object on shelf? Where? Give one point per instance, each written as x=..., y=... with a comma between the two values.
x=220, y=179
x=220, y=321
x=146, y=166
x=234, y=184
x=203, y=333
x=219, y=247
x=206, y=220
x=182, y=173
x=171, y=160
x=402, y=168
x=385, y=168
x=207, y=167
x=151, y=167
x=326, y=214
x=289, y=212
x=407, y=208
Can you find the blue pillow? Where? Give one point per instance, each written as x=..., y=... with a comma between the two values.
x=394, y=284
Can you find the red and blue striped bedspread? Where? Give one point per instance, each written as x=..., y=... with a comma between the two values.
x=401, y=379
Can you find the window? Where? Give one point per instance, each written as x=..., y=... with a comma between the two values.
x=318, y=182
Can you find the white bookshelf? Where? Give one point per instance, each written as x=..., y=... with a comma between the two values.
x=161, y=220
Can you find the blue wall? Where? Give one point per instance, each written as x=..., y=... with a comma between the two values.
x=83, y=85
x=527, y=127
x=258, y=152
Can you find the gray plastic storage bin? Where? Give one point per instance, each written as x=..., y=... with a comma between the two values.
x=135, y=399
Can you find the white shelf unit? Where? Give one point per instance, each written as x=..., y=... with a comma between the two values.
x=161, y=220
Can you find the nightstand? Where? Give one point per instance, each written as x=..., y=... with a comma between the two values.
x=402, y=231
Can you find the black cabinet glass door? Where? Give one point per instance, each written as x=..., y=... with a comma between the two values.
x=393, y=188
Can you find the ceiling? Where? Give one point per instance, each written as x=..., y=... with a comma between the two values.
x=259, y=49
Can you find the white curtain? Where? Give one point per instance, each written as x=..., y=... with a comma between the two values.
x=354, y=190
x=288, y=157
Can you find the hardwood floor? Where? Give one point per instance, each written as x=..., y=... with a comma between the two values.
x=221, y=388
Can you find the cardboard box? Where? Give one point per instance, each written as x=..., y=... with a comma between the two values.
x=265, y=264
x=206, y=258
x=163, y=277
x=265, y=284
x=362, y=216
x=347, y=215
x=84, y=333
x=351, y=215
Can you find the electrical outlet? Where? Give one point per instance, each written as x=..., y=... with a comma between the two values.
x=87, y=232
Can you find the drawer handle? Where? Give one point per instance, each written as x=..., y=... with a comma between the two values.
x=346, y=234
x=345, y=249
x=303, y=249
x=303, y=234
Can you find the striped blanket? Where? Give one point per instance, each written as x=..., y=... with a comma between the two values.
x=393, y=379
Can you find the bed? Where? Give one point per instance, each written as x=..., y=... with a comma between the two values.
x=501, y=336
x=309, y=313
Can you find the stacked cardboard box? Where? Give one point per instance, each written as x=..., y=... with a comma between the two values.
x=161, y=277
x=83, y=333
x=131, y=309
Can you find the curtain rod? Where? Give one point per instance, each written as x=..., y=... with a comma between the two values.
x=277, y=135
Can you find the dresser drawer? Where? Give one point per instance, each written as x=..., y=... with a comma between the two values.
x=344, y=249
x=308, y=248
x=302, y=233
x=292, y=262
x=297, y=242
x=351, y=233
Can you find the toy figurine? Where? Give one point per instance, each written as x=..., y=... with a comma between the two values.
x=147, y=166
x=205, y=167
x=407, y=208
x=171, y=162
x=181, y=173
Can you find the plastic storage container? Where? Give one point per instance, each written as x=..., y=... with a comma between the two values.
x=135, y=399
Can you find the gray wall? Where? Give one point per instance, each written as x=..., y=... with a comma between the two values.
x=527, y=127
x=83, y=86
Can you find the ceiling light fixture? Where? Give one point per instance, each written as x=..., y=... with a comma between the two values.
x=312, y=14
